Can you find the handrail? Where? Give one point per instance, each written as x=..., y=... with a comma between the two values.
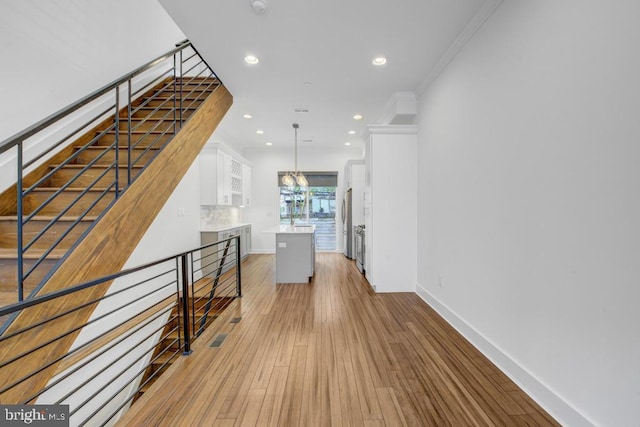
x=105, y=147
x=48, y=121
x=140, y=314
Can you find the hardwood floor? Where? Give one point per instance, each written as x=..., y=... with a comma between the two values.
x=332, y=352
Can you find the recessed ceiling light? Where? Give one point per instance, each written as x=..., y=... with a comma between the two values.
x=259, y=6
x=268, y=143
x=259, y=132
x=357, y=117
x=248, y=116
x=352, y=132
x=250, y=59
x=380, y=60
x=347, y=143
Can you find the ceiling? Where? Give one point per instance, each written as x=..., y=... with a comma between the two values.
x=317, y=56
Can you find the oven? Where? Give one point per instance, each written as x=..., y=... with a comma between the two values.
x=359, y=247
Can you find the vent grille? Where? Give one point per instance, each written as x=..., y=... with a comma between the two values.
x=218, y=341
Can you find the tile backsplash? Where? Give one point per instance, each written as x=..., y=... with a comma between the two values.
x=212, y=217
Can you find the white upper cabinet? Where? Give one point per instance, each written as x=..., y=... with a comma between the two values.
x=222, y=178
x=215, y=177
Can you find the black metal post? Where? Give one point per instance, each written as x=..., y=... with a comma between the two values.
x=185, y=305
x=238, y=269
x=175, y=81
x=128, y=133
x=19, y=237
x=117, y=152
x=181, y=84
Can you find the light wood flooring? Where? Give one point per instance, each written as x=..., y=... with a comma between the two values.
x=332, y=352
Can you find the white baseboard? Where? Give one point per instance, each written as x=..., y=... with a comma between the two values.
x=550, y=401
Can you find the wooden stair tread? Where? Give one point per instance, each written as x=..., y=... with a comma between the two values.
x=150, y=118
x=157, y=107
x=66, y=218
x=70, y=189
x=104, y=147
x=96, y=165
x=165, y=357
x=138, y=132
x=151, y=108
x=34, y=253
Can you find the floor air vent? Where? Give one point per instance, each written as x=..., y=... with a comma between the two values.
x=217, y=342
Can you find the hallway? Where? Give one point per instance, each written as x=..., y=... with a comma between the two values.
x=332, y=352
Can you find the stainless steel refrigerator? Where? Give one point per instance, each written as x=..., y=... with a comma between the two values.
x=346, y=224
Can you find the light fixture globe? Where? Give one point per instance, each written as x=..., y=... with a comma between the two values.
x=302, y=180
x=288, y=180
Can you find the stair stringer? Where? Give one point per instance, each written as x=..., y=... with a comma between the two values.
x=103, y=251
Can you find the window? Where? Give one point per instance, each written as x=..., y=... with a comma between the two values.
x=313, y=205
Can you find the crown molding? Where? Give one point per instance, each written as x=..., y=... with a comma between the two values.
x=467, y=33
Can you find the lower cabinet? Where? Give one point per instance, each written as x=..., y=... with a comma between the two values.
x=212, y=257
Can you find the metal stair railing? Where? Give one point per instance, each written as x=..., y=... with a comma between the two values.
x=137, y=115
x=148, y=319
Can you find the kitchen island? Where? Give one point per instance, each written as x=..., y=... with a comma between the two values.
x=295, y=253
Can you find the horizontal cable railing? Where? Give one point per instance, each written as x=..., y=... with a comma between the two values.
x=149, y=318
x=72, y=166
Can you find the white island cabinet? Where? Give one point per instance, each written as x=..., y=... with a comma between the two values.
x=295, y=253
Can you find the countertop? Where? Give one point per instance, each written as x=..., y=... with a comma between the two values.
x=216, y=229
x=292, y=229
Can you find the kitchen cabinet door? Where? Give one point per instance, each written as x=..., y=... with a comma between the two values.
x=215, y=177
x=246, y=185
x=245, y=241
x=224, y=163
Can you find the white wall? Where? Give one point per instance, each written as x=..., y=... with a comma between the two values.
x=61, y=51
x=264, y=212
x=57, y=51
x=529, y=215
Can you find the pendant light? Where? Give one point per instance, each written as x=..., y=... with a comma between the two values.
x=291, y=178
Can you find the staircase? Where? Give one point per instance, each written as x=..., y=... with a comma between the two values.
x=81, y=206
x=75, y=190
x=168, y=348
